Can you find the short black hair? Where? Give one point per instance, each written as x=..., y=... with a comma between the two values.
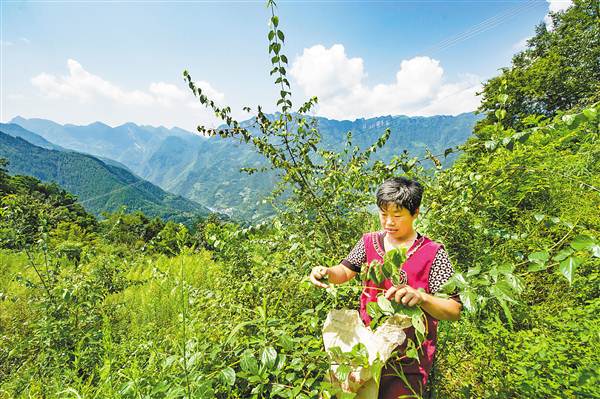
x=403, y=192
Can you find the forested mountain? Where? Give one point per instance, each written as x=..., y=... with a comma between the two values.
x=100, y=186
x=207, y=170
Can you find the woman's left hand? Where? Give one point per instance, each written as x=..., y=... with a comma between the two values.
x=406, y=295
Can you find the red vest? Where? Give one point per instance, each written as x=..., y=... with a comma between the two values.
x=417, y=267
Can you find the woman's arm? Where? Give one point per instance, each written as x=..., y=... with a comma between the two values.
x=441, y=308
x=336, y=275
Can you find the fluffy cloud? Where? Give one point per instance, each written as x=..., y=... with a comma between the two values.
x=160, y=103
x=317, y=70
x=84, y=86
x=419, y=87
x=521, y=44
x=556, y=6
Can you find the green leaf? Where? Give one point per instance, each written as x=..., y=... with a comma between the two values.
x=469, y=300
x=459, y=280
x=248, y=363
x=514, y=282
x=271, y=35
x=342, y=372
x=506, y=268
x=490, y=145
x=268, y=357
x=286, y=342
x=373, y=310
x=568, y=119
x=590, y=113
x=582, y=242
x=411, y=350
x=385, y=305
x=275, y=20
x=502, y=98
x=387, y=269
x=228, y=376
x=539, y=258
x=278, y=389
x=418, y=324
x=473, y=271
x=280, y=35
x=539, y=217
x=376, y=368
x=567, y=267
x=536, y=267
x=503, y=290
x=562, y=254
x=507, y=312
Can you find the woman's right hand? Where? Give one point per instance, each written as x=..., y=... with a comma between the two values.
x=318, y=273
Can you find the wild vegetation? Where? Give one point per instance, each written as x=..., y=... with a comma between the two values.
x=133, y=307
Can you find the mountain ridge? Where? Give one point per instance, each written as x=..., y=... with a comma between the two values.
x=207, y=169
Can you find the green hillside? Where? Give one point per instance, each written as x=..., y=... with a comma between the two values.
x=100, y=187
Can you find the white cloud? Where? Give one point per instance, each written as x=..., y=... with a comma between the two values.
x=166, y=93
x=162, y=103
x=521, y=44
x=558, y=5
x=25, y=40
x=419, y=88
x=5, y=43
x=317, y=70
x=85, y=86
x=555, y=6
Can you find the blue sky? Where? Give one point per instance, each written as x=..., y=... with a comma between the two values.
x=79, y=62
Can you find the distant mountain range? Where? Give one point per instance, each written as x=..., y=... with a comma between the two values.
x=100, y=186
x=206, y=170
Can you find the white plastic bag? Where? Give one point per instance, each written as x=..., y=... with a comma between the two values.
x=344, y=328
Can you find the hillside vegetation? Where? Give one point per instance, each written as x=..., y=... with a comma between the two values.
x=100, y=186
x=126, y=308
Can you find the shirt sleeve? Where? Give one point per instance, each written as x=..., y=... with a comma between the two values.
x=356, y=257
x=440, y=272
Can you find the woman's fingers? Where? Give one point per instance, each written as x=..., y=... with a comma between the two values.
x=400, y=295
x=413, y=301
x=390, y=292
x=317, y=275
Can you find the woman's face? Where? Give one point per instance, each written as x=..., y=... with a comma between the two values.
x=397, y=222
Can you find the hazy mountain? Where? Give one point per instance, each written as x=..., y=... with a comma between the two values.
x=129, y=143
x=206, y=170
x=98, y=185
x=15, y=130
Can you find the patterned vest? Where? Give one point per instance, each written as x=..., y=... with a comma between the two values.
x=417, y=266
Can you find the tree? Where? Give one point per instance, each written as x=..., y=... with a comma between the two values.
x=4, y=177
x=559, y=69
x=321, y=195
